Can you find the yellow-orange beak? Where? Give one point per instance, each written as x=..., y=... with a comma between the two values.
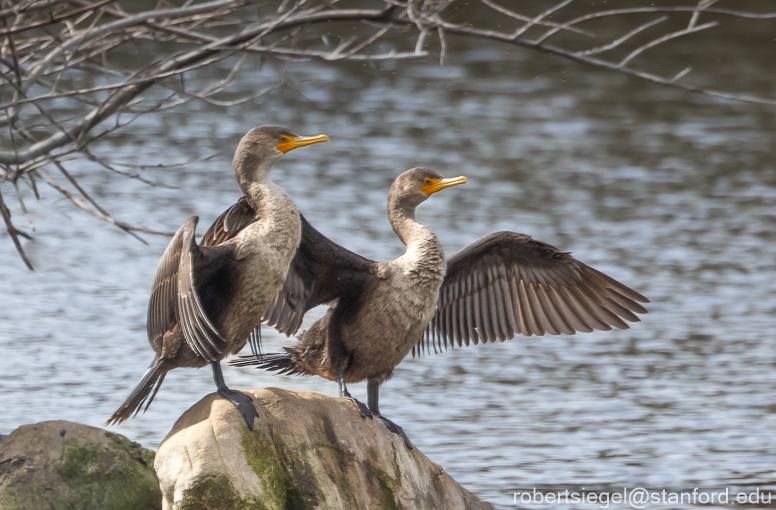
x=300, y=141
x=440, y=184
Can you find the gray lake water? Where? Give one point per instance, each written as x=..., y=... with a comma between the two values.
x=671, y=193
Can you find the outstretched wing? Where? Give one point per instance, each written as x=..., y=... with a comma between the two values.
x=507, y=283
x=321, y=272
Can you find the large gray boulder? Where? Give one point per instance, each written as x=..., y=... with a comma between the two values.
x=307, y=451
x=67, y=466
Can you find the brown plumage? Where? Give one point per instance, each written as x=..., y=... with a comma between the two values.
x=207, y=299
x=506, y=284
x=500, y=285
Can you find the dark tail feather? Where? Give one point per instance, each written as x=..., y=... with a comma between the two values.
x=282, y=363
x=144, y=393
x=254, y=339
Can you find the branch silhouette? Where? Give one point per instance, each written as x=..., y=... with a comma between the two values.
x=48, y=46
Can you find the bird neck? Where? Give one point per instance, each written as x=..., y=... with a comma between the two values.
x=270, y=201
x=424, y=258
x=267, y=198
x=250, y=171
x=412, y=233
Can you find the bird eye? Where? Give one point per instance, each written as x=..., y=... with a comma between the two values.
x=428, y=181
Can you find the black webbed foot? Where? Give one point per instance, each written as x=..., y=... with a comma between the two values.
x=344, y=393
x=362, y=408
x=243, y=403
x=395, y=429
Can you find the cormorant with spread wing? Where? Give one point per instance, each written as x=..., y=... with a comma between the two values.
x=498, y=286
x=207, y=299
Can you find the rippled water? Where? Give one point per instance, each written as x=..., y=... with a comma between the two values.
x=671, y=193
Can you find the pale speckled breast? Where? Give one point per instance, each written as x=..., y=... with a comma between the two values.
x=389, y=326
x=265, y=253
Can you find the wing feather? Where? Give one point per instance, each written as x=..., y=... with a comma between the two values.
x=598, y=296
x=461, y=316
x=513, y=284
x=471, y=306
x=452, y=323
x=230, y=223
x=506, y=307
x=174, y=297
x=487, y=322
x=615, y=307
x=624, y=301
x=555, y=315
x=507, y=283
x=595, y=312
x=579, y=308
x=162, y=304
x=557, y=296
x=497, y=305
x=320, y=273
x=478, y=325
x=201, y=335
x=455, y=310
x=540, y=313
x=533, y=327
x=509, y=300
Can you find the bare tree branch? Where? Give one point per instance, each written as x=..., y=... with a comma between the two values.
x=64, y=52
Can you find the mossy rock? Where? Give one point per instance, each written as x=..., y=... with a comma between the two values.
x=68, y=466
x=306, y=452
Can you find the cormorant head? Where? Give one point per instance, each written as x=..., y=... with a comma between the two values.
x=414, y=186
x=263, y=146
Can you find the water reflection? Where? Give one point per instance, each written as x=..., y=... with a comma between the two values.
x=672, y=194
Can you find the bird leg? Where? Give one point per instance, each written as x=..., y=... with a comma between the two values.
x=373, y=397
x=241, y=401
x=344, y=393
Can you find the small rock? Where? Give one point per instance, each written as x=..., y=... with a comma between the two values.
x=307, y=451
x=64, y=465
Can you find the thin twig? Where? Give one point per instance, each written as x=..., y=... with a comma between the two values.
x=624, y=38
x=84, y=206
x=6, y=214
x=540, y=22
x=55, y=19
x=540, y=17
x=673, y=35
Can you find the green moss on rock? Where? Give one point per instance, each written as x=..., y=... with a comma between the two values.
x=214, y=492
x=68, y=466
x=118, y=478
x=388, y=484
x=280, y=491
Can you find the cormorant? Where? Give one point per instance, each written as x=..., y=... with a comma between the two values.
x=500, y=285
x=207, y=299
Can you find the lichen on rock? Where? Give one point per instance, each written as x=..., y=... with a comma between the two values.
x=307, y=451
x=65, y=465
